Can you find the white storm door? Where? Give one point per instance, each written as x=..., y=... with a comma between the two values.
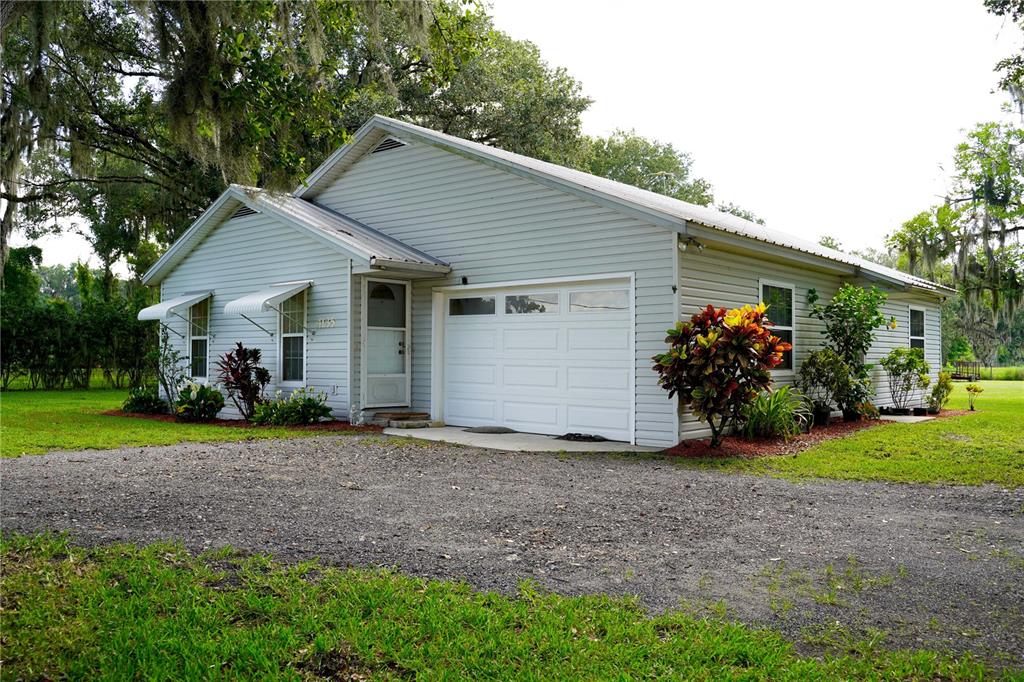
x=386, y=347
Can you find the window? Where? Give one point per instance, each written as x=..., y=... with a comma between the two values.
x=385, y=305
x=481, y=305
x=917, y=328
x=199, y=339
x=598, y=301
x=779, y=299
x=531, y=303
x=293, y=338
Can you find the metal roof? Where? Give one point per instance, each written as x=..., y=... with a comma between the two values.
x=682, y=212
x=373, y=244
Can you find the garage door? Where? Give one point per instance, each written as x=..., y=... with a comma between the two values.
x=541, y=359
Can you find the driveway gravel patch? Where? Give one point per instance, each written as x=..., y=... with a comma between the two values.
x=823, y=562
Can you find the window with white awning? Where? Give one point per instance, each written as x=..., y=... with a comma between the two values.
x=174, y=307
x=267, y=299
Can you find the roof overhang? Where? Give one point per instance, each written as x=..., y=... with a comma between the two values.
x=173, y=307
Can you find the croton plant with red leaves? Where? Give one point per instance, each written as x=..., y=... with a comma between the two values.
x=719, y=361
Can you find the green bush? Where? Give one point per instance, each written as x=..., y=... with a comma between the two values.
x=198, y=403
x=780, y=413
x=144, y=400
x=303, y=406
x=907, y=371
x=824, y=376
x=941, y=391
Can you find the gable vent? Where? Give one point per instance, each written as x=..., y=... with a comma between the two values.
x=243, y=212
x=389, y=143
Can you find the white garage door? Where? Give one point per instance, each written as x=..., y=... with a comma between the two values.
x=541, y=359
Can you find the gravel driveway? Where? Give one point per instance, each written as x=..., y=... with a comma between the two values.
x=941, y=566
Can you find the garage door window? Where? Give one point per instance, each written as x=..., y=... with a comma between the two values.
x=480, y=305
x=602, y=301
x=531, y=303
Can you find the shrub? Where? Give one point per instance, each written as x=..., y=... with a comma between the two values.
x=718, y=362
x=198, y=403
x=907, y=371
x=851, y=318
x=170, y=366
x=941, y=391
x=823, y=376
x=303, y=406
x=779, y=413
x=867, y=410
x=973, y=390
x=144, y=400
x=244, y=378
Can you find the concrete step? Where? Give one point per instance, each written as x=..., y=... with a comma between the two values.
x=413, y=423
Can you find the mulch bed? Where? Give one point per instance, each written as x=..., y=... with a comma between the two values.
x=240, y=424
x=737, y=446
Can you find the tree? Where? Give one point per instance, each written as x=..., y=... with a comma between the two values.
x=830, y=242
x=626, y=157
x=1012, y=67
x=976, y=234
x=169, y=101
x=719, y=362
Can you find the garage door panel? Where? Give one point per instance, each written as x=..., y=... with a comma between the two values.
x=542, y=373
x=479, y=411
x=598, y=338
x=472, y=339
x=597, y=379
x=589, y=417
x=516, y=375
x=531, y=414
x=459, y=374
x=532, y=340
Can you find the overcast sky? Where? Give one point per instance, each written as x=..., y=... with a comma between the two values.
x=822, y=118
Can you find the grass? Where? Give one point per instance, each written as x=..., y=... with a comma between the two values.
x=1009, y=373
x=983, y=447
x=158, y=612
x=34, y=422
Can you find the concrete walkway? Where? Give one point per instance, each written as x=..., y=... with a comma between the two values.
x=905, y=418
x=514, y=442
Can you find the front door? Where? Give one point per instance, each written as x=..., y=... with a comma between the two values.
x=386, y=344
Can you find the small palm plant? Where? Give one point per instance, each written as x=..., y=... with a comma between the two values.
x=972, y=393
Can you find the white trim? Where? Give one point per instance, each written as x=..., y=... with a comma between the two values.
x=677, y=308
x=518, y=284
x=209, y=313
x=439, y=313
x=348, y=344
x=924, y=326
x=364, y=326
x=292, y=384
x=761, y=282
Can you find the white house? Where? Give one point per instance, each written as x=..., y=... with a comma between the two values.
x=418, y=270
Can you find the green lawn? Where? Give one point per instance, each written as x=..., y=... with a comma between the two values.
x=156, y=612
x=984, y=447
x=34, y=422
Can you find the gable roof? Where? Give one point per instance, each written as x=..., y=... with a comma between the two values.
x=662, y=210
x=346, y=235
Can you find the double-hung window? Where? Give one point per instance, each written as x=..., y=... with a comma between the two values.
x=199, y=339
x=917, y=328
x=781, y=310
x=293, y=338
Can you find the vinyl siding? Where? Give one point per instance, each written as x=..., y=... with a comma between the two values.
x=493, y=226
x=729, y=280
x=245, y=254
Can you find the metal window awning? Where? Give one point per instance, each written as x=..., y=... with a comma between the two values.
x=165, y=309
x=263, y=300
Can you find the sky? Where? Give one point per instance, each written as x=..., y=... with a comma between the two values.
x=820, y=117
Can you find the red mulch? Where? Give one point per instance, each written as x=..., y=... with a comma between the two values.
x=240, y=424
x=738, y=446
